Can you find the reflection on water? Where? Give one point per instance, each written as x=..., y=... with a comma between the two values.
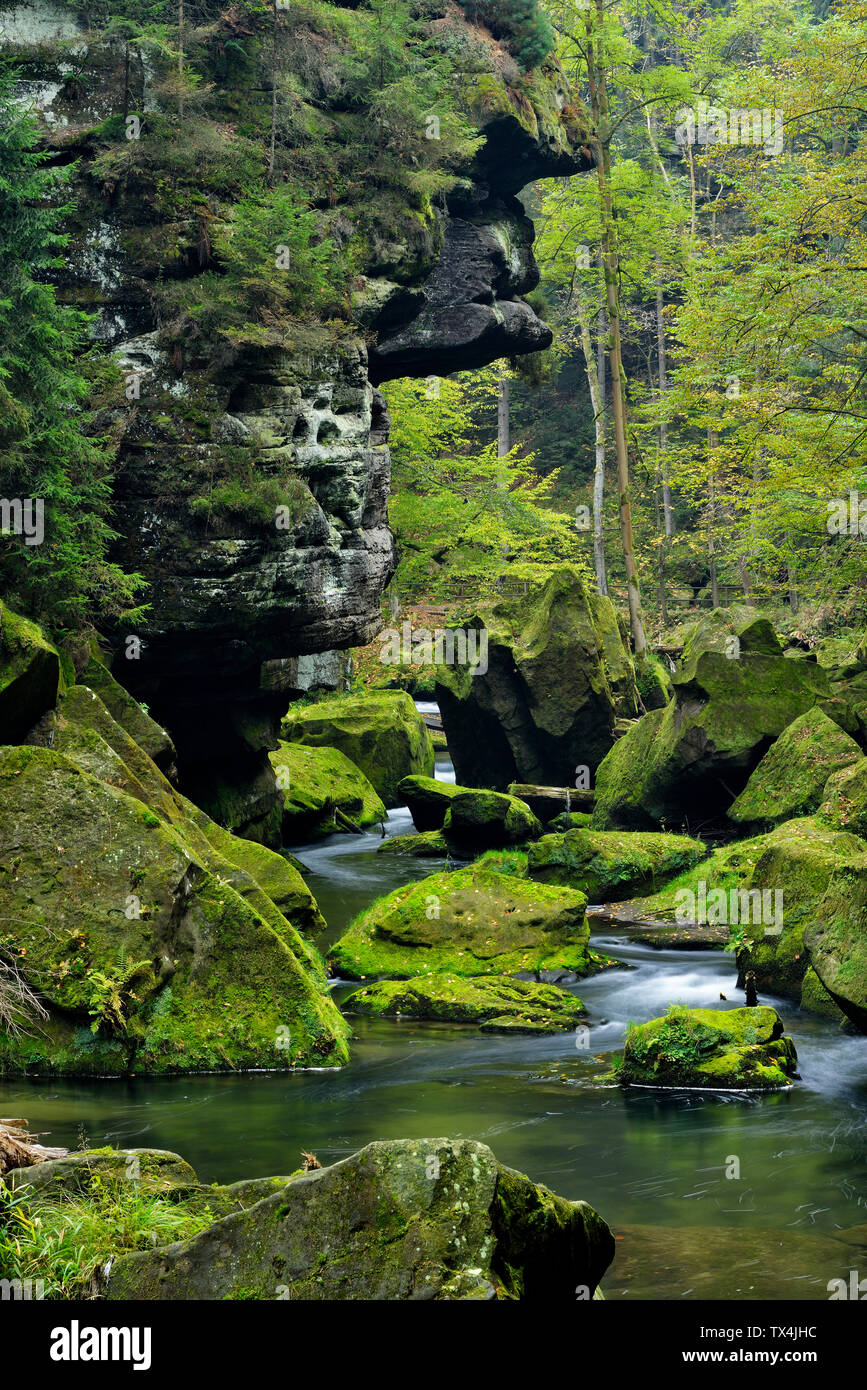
x=644, y=1159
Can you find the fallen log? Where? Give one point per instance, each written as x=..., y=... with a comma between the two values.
x=18, y=1148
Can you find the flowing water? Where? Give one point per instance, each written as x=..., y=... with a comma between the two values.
x=710, y=1195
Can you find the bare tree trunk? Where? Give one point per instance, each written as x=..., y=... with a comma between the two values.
x=181, y=59
x=504, y=432
x=272, y=150
x=667, y=510
x=595, y=369
x=713, y=444
x=602, y=125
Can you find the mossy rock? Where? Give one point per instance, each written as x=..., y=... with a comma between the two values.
x=570, y=820
x=156, y=1171
x=430, y=844
x=146, y=955
x=844, y=804
x=89, y=736
x=322, y=790
x=428, y=800
x=498, y=1004
x=381, y=733
x=740, y=1049
x=30, y=675
x=735, y=693
x=790, y=779
x=146, y=732
x=414, y=1219
x=820, y=875
x=558, y=677
x=489, y=820
x=612, y=864
x=471, y=921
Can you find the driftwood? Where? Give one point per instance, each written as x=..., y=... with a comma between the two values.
x=18, y=1148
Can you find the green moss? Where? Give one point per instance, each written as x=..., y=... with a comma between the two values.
x=496, y=1003
x=736, y=1049
x=382, y=734
x=317, y=783
x=612, y=864
x=468, y=922
x=790, y=779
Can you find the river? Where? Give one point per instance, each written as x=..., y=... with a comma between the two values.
x=710, y=1195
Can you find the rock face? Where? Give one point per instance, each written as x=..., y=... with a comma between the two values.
x=740, y=1049
x=735, y=693
x=210, y=439
x=790, y=779
x=606, y=864
x=381, y=733
x=409, y=1219
x=496, y=1004
x=558, y=676
x=471, y=922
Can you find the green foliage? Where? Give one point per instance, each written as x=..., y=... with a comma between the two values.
x=64, y=1241
x=112, y=993
x=470, y=525
x=46, y=451
x=525, y=26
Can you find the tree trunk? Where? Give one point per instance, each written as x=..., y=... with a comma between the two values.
x=595, y=370
x=181, y=59
x=712, y=445
x=504, y=433
x=602, y=124
x=272, y=150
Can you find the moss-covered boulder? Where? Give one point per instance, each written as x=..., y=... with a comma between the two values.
x=807, y=874
x=740, y=1049
x=381, y=733
x=428, y=800
x=428, y=844
x=790, y=779
x=322, y=792
x=496, y=1003
x=489, y=820
x=148, y=734
x=844, y=804
x=415, y=1219
x=735, y=693
x=84, y=731
x=154, y=1170
x=570, y=820
x=472, y=921
x=558, y=675
x=30, y=675
x=611, y=864
x=130, y=927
